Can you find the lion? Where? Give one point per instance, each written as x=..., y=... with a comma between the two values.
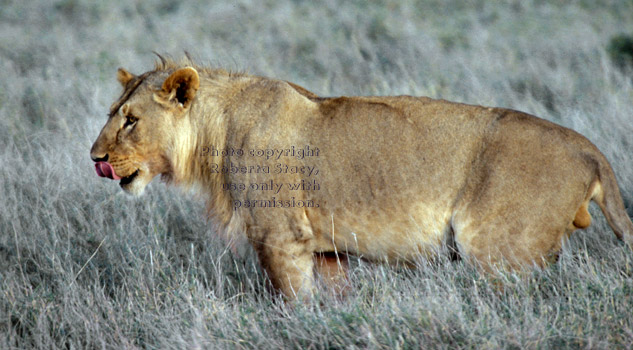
x=391, y=179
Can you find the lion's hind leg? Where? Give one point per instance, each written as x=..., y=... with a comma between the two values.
x=512, y=213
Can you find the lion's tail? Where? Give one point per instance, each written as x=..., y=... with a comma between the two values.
x=607, y=195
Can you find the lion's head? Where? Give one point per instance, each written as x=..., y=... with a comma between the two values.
x=136, y=142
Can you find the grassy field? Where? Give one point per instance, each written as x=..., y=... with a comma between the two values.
x=82, y=265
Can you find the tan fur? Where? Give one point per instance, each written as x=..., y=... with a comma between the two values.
x=400, y=177
x=124, y=76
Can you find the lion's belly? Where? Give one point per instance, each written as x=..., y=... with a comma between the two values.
x=392, y=234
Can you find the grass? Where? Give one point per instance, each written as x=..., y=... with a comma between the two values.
x=82, y=265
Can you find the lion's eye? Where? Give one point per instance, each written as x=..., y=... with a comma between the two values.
x=130, y=120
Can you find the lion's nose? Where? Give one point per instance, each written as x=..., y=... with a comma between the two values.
x=96, y=158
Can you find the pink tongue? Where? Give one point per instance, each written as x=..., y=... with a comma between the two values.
x=104, y=169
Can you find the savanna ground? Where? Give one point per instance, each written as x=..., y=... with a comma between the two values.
x=82, y=265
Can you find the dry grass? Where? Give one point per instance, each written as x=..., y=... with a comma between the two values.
x=84, y=266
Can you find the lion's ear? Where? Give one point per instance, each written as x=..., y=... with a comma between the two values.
x=123, y=76
x=181, y=86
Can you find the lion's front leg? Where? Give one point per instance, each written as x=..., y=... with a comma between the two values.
x=288, y=260
x=333, y=271
x=289, y=266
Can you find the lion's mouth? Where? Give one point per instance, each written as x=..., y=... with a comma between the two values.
x=105, y=169
x=128, y=179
